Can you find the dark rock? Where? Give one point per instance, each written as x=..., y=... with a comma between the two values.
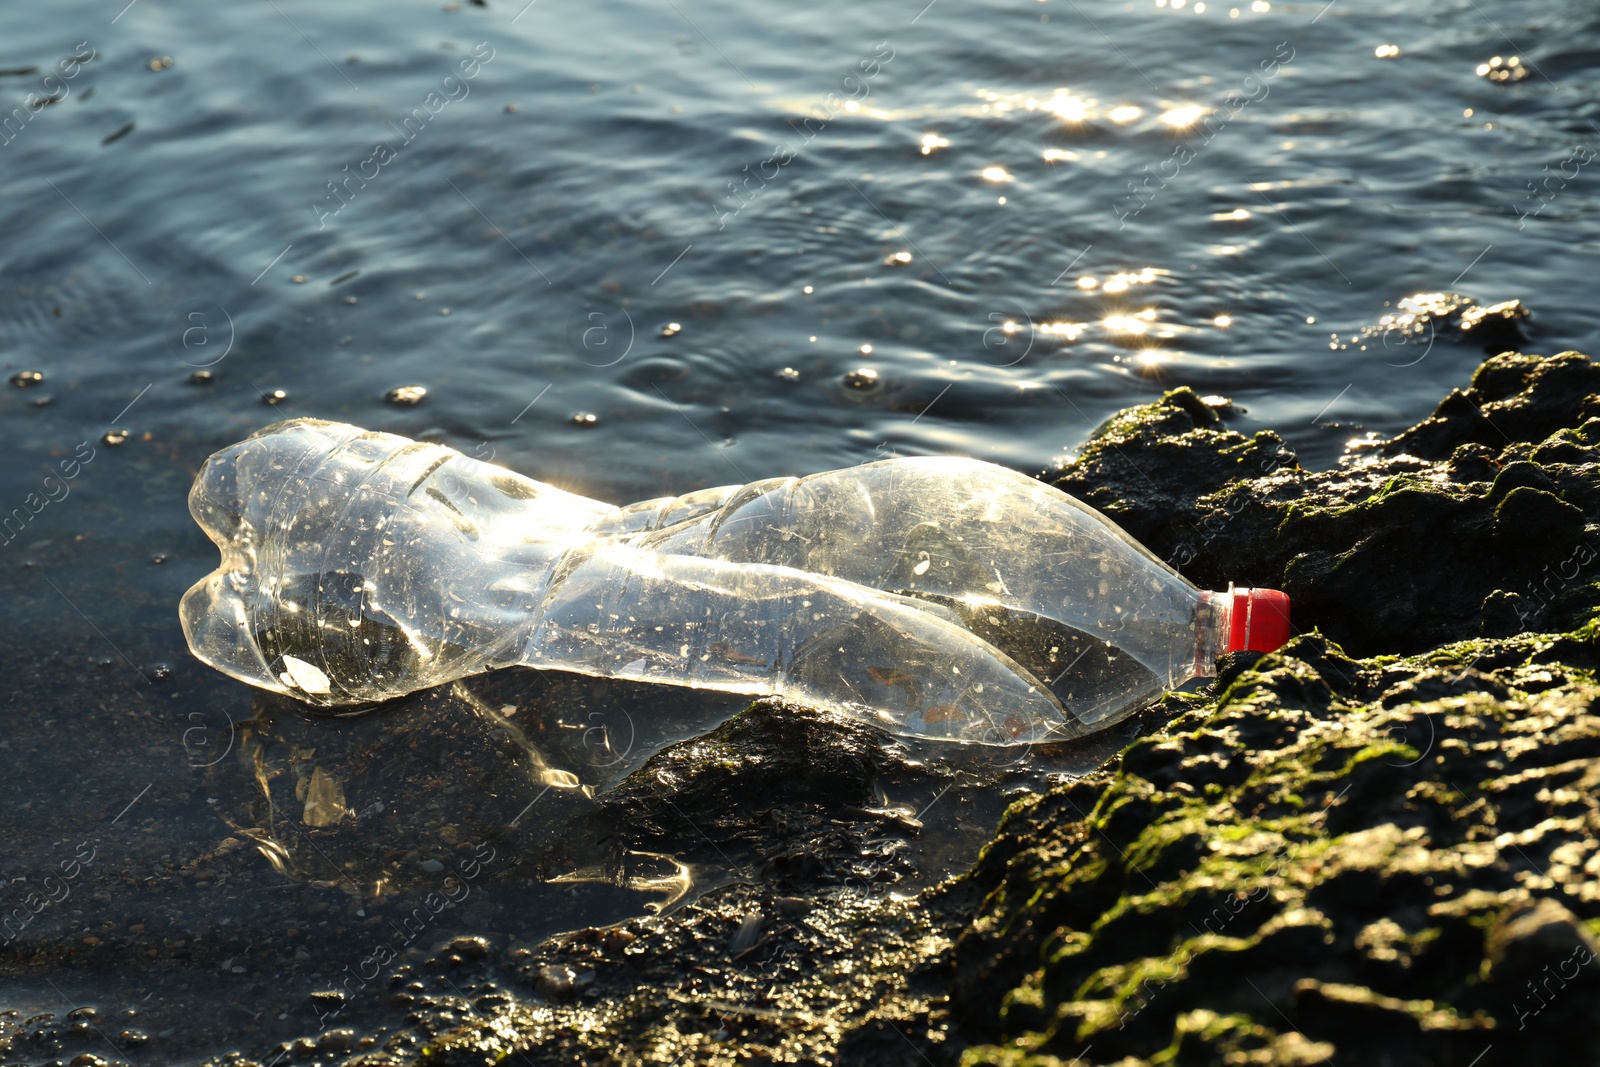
x=1520, y=474
x=1504, y=614
x=1359, y=549
x=470, y=948
x=1340, y=888
x=1533, y=518
x=327, y=1001
x=726, y=785
x=1498, y=327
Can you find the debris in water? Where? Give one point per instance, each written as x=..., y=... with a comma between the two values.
x=406, y=395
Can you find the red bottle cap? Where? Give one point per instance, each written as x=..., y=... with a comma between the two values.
x=1260, y=620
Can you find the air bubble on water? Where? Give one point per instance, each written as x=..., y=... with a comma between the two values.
x=113, y=438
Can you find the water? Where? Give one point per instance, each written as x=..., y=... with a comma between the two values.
x=555, y=253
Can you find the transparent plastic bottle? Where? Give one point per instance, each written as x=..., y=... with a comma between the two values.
x=938, y=597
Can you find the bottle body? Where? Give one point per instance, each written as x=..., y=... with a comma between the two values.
x=1095, y=617
x=939, y=597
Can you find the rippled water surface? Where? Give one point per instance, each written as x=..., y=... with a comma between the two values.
x=636, y=249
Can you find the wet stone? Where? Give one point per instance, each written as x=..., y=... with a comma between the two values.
x=470, y=948
x=327, y=1001
x=406, y=395
x=563, y=980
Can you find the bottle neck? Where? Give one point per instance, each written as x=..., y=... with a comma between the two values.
x=1213, y=631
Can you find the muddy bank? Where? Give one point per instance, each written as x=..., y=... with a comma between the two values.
x=1378, y=844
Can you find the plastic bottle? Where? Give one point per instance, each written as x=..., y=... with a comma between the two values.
x=935, y=596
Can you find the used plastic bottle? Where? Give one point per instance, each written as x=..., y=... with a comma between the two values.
x=938, y=597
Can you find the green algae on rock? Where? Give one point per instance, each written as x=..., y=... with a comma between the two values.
x=1395, y=858
x=1471, y=522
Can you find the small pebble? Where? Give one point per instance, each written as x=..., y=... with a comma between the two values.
x=583, y=418
x=861, y=378
x=24, y=378
x=327, y=1000
x=406, y=395
x=200, y=377
x=671, y=329
x=471, y=948
x=340, y=1040
x=615, y=938
x=562, y=980
x=432, y=866
x=113, y=438
x=274, y=396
